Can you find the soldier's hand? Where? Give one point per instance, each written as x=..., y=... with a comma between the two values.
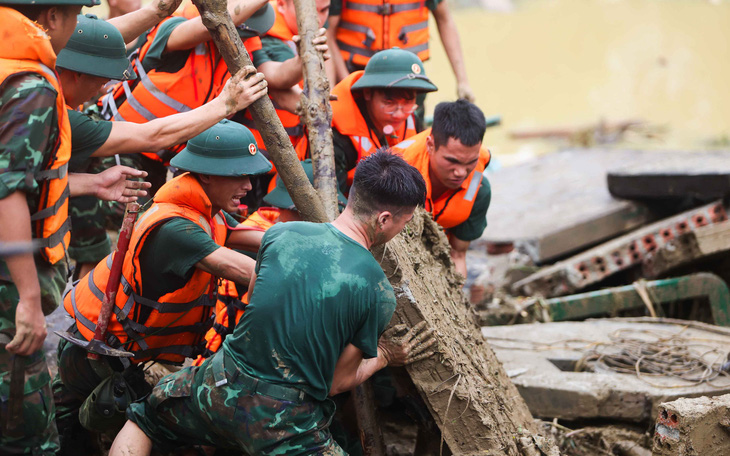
x=30, y=324
x=319, y=42
x=415, y=345
x=114, y=184
x=240, y=91
x=164, y=8
x=463, y=91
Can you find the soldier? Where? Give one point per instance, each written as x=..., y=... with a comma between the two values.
x=374, y=109
x=169, y=277
x=35, y=144
x=359, y=29
x=452, y=160
x=319, y=305
x=94, y=55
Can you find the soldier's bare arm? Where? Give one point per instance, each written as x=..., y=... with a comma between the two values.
x=133, y=24
x=458, y=254
x=249, y=240
x=337, y=61
x=193, y=32
x=130, y=137
x=283, y=75
x=452, y=45
x=228, y=264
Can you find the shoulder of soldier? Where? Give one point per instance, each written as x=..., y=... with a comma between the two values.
x=26, y=85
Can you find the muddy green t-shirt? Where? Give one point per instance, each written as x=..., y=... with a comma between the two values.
x=87, y=136
x=316, y=291
x=273, y=50
x=473, y=227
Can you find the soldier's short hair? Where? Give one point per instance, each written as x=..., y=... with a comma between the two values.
x=460, y=120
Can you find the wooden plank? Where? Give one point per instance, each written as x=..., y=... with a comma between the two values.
x=701, y=175
x=466, y=389
x=687, y=248
x=558, y=204
x=592, y=266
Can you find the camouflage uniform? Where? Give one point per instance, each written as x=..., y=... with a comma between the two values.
x=217, y=404
x=24, y=148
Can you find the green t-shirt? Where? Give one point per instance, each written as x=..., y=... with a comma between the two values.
x=473, y=227
x=169, y=255
x=87, y=136
x=272, y=50
x=336, y=6
x=316, y=291
x=157, y=58
x=28, y=132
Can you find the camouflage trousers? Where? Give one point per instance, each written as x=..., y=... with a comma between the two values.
x=33, y=432
x=218, y=405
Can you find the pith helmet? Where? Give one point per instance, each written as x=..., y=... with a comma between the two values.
x=395, y=69
x=96, y=48
x=225, y=149
x=50, y=2
x=279, y=196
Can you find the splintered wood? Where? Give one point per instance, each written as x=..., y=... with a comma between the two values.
x=466, y=389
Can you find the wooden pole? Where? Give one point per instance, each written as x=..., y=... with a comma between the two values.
x=316, y=111
x=215, y=17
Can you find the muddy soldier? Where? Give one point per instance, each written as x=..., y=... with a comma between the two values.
x=179, y=247
x=231, y=298
x=35, y=145
x=452, y=160
x=94, y=55
x=266, y=392
x=374, y=109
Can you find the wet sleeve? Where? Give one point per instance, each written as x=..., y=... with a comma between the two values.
x=28, y=131
x=275, y=50
x=474, y=226
x=432, y=4
x=154, y=56
x=376, y=317
x=335, y=7
x=87, y=136
x=345, y=158
x=178, y=245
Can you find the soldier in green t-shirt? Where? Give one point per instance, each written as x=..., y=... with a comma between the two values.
x=94, y=55
x=319, y=303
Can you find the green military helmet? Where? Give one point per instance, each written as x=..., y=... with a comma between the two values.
x=96, y=48
x=258, y=24
x=279, y=196
x=395, y=69
x=51, y=2
x=225, y=149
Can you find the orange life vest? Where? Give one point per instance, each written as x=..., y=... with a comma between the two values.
x=453, y=207
x=229, y=302
x=177, y=320
x=156, y=94
x=347, y=119
x=27, y=49
x=369, y=26
x=291, y=122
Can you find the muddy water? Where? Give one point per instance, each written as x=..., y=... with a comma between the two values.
x=556, y=63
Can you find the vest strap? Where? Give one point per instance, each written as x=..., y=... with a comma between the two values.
x=161, y=96
x=409, y=75
x=411, y=28
x=109, y=105
x=56, y=238
x=386, y=9
x=136, y=105
x=369, y=33
x=48, y=174
x=51, y=210
x=354, y=49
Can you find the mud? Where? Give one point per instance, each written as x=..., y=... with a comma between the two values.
x=600, y=440
x=466, y=389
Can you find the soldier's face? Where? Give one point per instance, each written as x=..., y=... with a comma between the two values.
x=286, y=8
x=91, y=86
x=60, y=23
x=452, y=162
x=386, y=109
x=226, y=192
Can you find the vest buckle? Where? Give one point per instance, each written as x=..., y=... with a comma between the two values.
x=386, y=9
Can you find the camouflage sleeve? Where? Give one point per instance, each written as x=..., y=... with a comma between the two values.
x=28, y=130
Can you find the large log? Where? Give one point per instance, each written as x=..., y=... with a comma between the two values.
x=216, y=19
x=476, y=406
x=315, y=109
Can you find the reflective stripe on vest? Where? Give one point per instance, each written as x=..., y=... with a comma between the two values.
x=386, y=9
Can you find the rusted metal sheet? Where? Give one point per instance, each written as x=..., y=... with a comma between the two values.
x=594, y=265
x=701, y=175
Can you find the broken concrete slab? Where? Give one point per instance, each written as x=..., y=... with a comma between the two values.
x=541, y=358
x=701, y=175
x=592, y=266
x=688, y=248
x=559, y=203
x=693, y=427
